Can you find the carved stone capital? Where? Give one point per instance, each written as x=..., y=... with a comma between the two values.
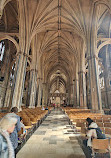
x=92, y=57
x=32, y=69
x=24, y=54
x=81, y=72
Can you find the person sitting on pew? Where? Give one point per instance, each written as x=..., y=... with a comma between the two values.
x=23, y=126
x=22, y=133
x=93, y=131
x=46, y=107
x=43, y=108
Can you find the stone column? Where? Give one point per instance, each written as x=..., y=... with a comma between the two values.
x=7, y=69
x=106, y=87
x=77, y=86
x=24, y=46
x=32, y=89
x=94, y=84
x=74, y=93
x=44, y=94
x=27, y=89
x=14, y=80
x=92, y=59
x=71, y=94
x=77, y=91
x=19, y=84
x=39, y=92
x=72, y=97
x=7, y=97
x=82, y=89
x=107, y=78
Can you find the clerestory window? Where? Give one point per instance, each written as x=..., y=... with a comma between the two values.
x=2, y=50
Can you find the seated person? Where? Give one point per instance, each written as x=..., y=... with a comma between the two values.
x=23, y=126
x=94, y=131
x=43, y=108
x=46, y=108
x=91, y=133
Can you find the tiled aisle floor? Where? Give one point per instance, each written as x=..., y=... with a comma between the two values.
x=50, y=140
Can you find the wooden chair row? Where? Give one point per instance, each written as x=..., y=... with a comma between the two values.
x=31, y=116
x=105, y=130
x=101, y=146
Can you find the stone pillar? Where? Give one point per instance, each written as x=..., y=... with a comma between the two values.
x=94, y=84
x=39, y=92
x=107, y=79
x=71, y=94
x=106, y=83
x=77, y=91
x=27, y=89
x=77, y=86
x=19, y=84
x=92, y=59
x=74, y=93
x=7, y=69
x=7, y=97
x=14, y=81
x=82, y=89
x=24, y=47
x=44, y=94
x=32, y=89
x=72, y=97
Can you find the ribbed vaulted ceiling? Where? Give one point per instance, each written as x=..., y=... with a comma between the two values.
x=62, y=28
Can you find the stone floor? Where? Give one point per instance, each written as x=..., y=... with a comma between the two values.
x=53, y=139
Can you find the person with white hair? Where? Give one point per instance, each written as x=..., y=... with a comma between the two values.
x=7, y=125
x=14, y=134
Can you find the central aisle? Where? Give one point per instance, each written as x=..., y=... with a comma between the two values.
x=50, y=140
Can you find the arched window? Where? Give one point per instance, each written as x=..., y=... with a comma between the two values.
x=101, y=77
x=110, y=56
x=2, y=49
x=12, y=74
x=102, y=83
x=100, y=69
